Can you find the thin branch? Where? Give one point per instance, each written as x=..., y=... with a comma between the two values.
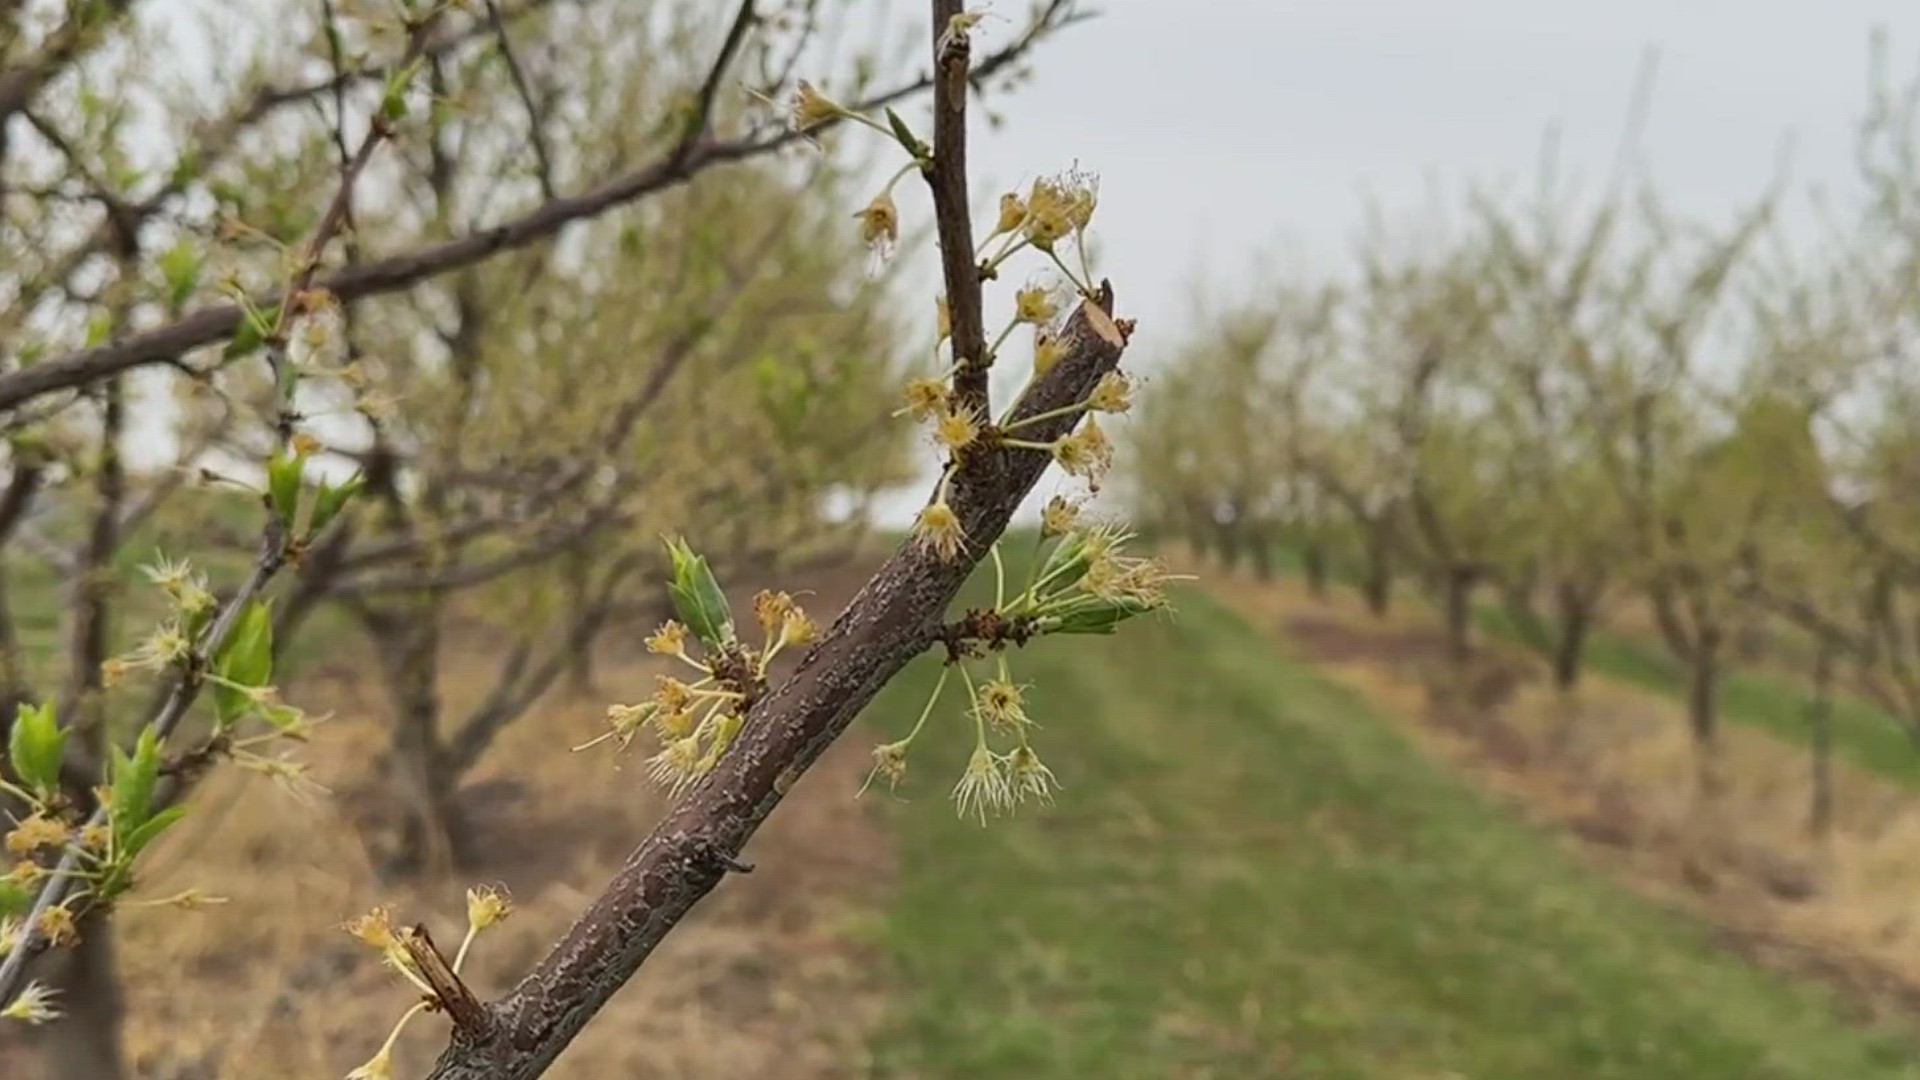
x=68, y=43
x=271, y=557
x=536, y=132
x=890, y=621
x=518, y=689
x=186, y=689
x=219, y=322
x=215, y=140
x=701, y=115
x=952, y=211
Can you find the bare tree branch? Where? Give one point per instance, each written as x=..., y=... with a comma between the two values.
x=536, y=130
x=952, y=211
x=518, y=687
x=68, y=43
x=219, y=322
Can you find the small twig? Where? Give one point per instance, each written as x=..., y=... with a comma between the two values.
x=536, y=133
x=186, y=689
x=451, y=993
x=271, y=558
x=952, y=212
x=702, y=110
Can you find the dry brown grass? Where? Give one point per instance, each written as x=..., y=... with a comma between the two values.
x=769, y=979
x=1614, y=768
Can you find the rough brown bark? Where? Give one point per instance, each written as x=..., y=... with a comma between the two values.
x=1377, y=585
x=1313, y=563
x=431, y=837
x=1573, y=622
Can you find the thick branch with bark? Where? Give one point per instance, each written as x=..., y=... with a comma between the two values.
x=894, y=618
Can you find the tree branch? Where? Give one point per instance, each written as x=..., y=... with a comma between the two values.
x=67, y=44
x=516, y=690
x=218, y=322
x=701, y=116
x=536, y=132
x=953, y=214
x=886, y=625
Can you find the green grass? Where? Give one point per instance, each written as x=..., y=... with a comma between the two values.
x=1863, y=734
x=1249, y=875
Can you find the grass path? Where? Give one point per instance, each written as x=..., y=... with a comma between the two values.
x=1863, y=733
x=1249, y=875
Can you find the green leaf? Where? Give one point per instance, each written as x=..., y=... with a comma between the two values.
x=283, y=485
x=132, y=783
x=697, y=597
x=393, y=99
x=330, y=500
x=1065, y=565
x=251, y=333
x=199, y=620
x=36, y=747
x=284, y=718
x=136, y=841
x=15, y=898
x=908, y=140
x=99, y=328
x=180, y=268
x=246, y=660
x=1096, y=615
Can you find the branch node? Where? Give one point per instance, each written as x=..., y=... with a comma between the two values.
x=451, y=994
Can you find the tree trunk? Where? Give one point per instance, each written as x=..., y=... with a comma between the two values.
x=432, y=839
x=1197, y=524
x=85, y=1043
x=1820, y=725
x=1260, y=551
x=1313, y=562
x=579, y=576
x=1703, y=713
x=1227, y=543
x=1378, y=584
x=1575, y=620
x=1517, y=596
x=1457, y=584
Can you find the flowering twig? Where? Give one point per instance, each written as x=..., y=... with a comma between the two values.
x=273, y=553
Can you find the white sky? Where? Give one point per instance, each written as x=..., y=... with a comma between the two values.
x=1224, y=130
x=1221, y=127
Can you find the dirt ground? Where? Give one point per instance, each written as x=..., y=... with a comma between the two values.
x=1611, y=769
x=770, y=978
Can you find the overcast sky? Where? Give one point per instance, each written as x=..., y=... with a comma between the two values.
x=1220, y=127
x=1228, y=130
